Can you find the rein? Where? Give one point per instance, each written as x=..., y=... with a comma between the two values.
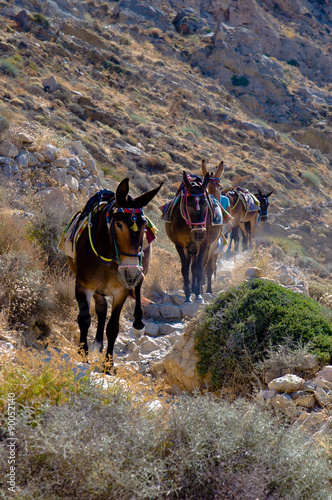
x=104, y=260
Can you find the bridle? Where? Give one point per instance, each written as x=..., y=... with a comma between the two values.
x=266, y=205
x=111, y=230
x=185, y=210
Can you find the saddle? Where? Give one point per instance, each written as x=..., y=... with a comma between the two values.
x=75, y=228
x=219, y=215
x=80, y=220
x=249, y=200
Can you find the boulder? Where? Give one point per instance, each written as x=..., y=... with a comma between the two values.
x=50, y=84
x=137, y=12
x=287, y=384
x=323, y=396
x=180, y=365
x=8, y=149
x=188, y=22
x=51, y=197
x=285, y=404
x=326, y=373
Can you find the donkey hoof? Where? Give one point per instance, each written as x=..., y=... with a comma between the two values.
x=96, y=347
x=138, y=333
x=199, y=298
x=109, y=370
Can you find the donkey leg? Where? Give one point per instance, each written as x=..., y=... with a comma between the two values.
x=211, y=269
x=253, y=224
x=185, y=272
x=193, y=273
x=83, y=297
x=235, y=237
x=112, y=328
x=245, y=230
x=198, y=278
x=138, y=325
x=101, y=311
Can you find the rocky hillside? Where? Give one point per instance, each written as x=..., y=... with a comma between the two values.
x=151, y=88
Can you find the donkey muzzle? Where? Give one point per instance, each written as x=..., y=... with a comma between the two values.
x=130, y=276
x=199, y=234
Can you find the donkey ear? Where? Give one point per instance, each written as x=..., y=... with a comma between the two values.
x=186, y=180
x=267, y=195
x=122, y=191
x=204, y=169
x=206, y=181
x=144, y=199
x=220, y=170
x=259, y=192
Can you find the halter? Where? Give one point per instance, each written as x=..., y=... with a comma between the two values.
x=134, y=227
x=264, y=214
x=185, y=212
x=215, y=180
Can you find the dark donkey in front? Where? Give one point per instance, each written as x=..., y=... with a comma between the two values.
x=110, y=261
x=191, y=230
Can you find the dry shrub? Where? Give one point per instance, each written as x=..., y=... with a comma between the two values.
x=24, y=293
x=106, y=443
x=164, y=273
x=13, y=233
x=152, y=164
x=321, y=290
x=288, y=357
x=37, y=378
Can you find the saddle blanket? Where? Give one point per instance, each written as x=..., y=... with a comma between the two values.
x=220, y=216
x=78, y=223
x=249, y=200
x=74, y=229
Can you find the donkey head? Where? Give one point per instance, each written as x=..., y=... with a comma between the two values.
x=214, y=187
x=264, y=203
x=196, y=205
x=128, y=228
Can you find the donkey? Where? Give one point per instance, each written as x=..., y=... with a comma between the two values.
x=244, y=217
x=191, y=230
x=110, y=261
x=214, y=190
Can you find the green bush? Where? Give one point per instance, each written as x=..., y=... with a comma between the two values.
x=40, y=19
x=293, y=62
x=244, y=322
x=311, y=178
x=46, y=231
x=8, y=67
x=240, y=81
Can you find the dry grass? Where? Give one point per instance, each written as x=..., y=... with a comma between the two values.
x=164, y=273
x=95, y=437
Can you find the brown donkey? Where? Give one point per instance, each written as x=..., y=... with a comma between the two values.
x=244, y=216
x=189, y=226
x=110, y=261
x=214, y=189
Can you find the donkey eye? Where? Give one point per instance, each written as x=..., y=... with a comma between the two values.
x=119, y=225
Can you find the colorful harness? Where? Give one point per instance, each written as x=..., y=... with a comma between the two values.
x=250, y=202
x=78, y=224
x=185, y=211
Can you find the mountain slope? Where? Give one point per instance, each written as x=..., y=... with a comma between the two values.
x=149, y=102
